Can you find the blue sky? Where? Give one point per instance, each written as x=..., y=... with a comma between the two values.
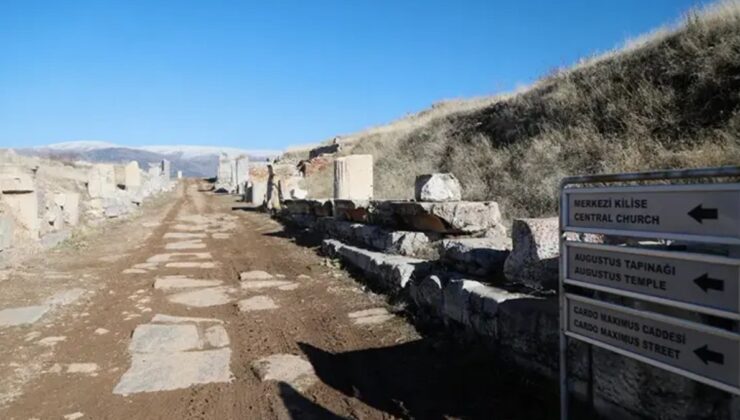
x=269, y=74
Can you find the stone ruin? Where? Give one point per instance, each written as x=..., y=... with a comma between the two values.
x=460, y=267
x=45, y=210
x=233, y=174
x=353, y=177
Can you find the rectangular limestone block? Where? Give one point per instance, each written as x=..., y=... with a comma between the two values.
x=7, y=225
x=24, y=208
x=242, y=174
x=132, y=176
x=353, y=177
x=101, y=181
x=352, y=210
x=15, y=180
x=412, y=244
x=390, y=272
x=461, y=217
x=70, y=205
x=257, y=191
x=477, y=256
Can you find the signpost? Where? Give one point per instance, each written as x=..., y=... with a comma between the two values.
x=692, y=280
x=707, y=354
x=666, y=211
x=698, y=282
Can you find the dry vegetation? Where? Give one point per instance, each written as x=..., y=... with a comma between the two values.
x=668, y=100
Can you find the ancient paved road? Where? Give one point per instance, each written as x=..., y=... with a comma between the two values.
x=199, y=310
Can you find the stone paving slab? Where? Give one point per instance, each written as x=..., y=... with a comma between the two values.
x=256, y=303
x=22, y=316
x=182, y=282
x=150, y=338
x=201, y=298
x=169, y=371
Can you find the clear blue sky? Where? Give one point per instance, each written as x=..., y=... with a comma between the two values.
x=268, y=74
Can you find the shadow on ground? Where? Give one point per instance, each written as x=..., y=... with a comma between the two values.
x=428, y=379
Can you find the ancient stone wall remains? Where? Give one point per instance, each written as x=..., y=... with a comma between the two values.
x=458, y=268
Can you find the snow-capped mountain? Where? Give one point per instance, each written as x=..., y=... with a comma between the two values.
x=194, y=161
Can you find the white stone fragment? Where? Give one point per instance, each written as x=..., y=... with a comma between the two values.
x=201, y=298
x=255, y=275
x=287, y=368
x=262, y=284
x=256, y=303
x=86, y=368
x=216, y=336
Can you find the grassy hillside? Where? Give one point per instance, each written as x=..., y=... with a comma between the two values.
x=667, y=100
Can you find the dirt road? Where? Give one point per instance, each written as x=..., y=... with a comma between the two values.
x=149, y=318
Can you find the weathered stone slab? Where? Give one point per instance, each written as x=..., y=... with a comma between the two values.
x=15, y=180
x=317, y=208
x=392, y=272
x=21, y=316
x=179, y=370
x=181, y=245
x=202, y=298
x=204, y=265
x=184, y=235
x=351, y=210
x=256, y=303
x=437, y=187
x=463, y=217
x=179, y=256
x=24, y=207
x=536, y=248
x=255, y=275
x=416, y=244
x=353, y=177
x=287, y=368
x=132, y=176
x=370, y=316
x=154, y=338
x=483, y=257
x=7, y=231
x=183, y=282
x=265, y=284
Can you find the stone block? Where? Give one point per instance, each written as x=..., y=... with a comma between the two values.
x=166, y=169
x=352, y=210
x=353, y=177
x=7, y=230
x=101, y=181
x=483, y=257
x=241, y=173
x=528, y=332
x=427, y=293
x=462, y=217
x=70, y=204
x=413, y=244
x=536, y=249
x=317, y=208
x=132, y=176
x=24, y=207
x=15, y=181
x=257, y=192
x=437, y=187
x=392, y=272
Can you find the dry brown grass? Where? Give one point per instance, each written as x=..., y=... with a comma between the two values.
x=668, y=100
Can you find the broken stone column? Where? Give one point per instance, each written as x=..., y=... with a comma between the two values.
x=166, y=169
x=258, y=192
x=438, y=188
x=19, y=196
x=353, y=177
x=132, y=176
x=70, y=206
x=101, y=181
x=241, y=164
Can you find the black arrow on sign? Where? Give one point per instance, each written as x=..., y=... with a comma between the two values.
x=707, y=355
x=700, y=214
x=706, y=283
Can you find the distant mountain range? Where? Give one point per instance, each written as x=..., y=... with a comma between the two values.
x=193, y=161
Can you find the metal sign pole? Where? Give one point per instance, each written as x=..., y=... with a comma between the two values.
x=563, y=339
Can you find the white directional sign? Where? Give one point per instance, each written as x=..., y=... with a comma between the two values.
x=700, y=281
x=670, y=211
x=707, y=354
